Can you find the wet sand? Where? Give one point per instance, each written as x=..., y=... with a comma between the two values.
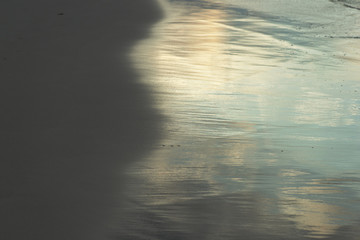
x=262, y=114
x=74, y=114
x=225, y=120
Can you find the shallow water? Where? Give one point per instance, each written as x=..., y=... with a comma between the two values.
x=261, y=138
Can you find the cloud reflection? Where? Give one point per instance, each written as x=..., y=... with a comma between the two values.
x=254, y=108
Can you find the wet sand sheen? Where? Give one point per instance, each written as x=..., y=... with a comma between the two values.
x=260, y=137
x=74, y=114
x=262, y=124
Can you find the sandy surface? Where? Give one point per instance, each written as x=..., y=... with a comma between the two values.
x=73, y=113
x=230, y=119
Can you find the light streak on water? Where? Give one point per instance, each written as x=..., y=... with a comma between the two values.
x=262, y=130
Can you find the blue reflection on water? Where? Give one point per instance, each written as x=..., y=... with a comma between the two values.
x=262, y=139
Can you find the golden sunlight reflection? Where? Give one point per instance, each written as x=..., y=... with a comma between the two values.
x=251, y=108
x=310, y=213
x=313, y=216
x=174, y=170
x=210, y=69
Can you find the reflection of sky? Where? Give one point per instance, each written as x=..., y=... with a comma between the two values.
x=252, y=108
x=225, y=73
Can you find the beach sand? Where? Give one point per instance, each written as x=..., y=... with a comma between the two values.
x=207, y=120
x=73, y=114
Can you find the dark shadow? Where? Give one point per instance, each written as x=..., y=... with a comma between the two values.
x=73, y=113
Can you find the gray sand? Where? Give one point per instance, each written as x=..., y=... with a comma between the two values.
x=73, y=114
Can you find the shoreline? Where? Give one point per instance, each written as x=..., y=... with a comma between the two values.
x=261, y=109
